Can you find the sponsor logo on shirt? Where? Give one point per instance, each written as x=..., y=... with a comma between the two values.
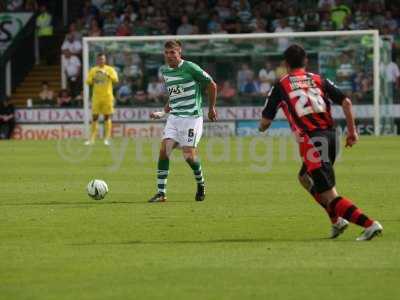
x=175, y=90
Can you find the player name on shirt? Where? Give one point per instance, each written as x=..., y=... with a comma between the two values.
x=301, y=82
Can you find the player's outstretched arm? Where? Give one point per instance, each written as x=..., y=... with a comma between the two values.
x=352, y=136
x=212, y=98
x=264, y=124
x=157, y=115
x=160, y=114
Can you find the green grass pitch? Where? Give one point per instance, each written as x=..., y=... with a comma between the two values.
x=258, y=235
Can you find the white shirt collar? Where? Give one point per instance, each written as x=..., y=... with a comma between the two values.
x=179, y=65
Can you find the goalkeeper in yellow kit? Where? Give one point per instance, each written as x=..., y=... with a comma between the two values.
x=101, y=78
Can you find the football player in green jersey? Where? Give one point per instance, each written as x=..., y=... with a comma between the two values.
x=185, y=82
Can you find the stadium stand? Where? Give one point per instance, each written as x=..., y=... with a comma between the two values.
x=130, y=17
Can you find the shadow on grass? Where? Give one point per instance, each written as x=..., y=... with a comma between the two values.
x=89, y=202
x=93, y=202
x=216, y=241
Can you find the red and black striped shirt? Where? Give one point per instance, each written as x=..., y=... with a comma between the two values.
x=305, y=99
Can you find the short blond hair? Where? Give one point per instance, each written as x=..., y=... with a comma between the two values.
x=173, y=44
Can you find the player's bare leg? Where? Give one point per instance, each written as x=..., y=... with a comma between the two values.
x=191, y=157
x=307, y=183
x=108, y=127
x=167, y=145
x=344, y=208
x=339, y=224
x=94, y=127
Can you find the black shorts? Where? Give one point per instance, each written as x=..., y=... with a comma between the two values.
x=318, y=150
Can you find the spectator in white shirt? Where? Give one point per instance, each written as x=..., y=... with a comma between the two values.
x=129, y=14
x=72, y=45
x=392, y=75
x=73, y=67
x=242, y=75
x=267, y=77
x=98, y=3
x=156, y=90
x=15, y=5
x=283, y=42
x=124, y=93
x=392, y=72
x=185, y=27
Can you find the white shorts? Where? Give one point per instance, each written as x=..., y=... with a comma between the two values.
x=186, y=131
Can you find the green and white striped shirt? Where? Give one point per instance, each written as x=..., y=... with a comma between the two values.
x=184, y=85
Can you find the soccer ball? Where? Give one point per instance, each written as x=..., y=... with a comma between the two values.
x=97, y=189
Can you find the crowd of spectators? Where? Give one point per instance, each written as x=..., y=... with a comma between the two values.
x=140, y=82
x=19, y=5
